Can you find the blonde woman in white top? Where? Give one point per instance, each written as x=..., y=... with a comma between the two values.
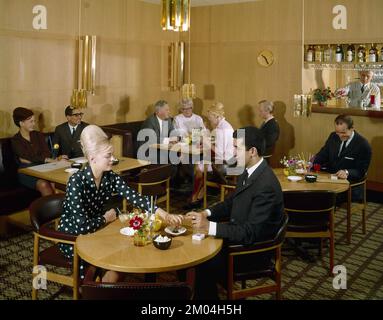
x=221, y=150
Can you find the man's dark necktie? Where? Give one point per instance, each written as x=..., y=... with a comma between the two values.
x=362, y=88
x=245, y=176
x=73, y=131
x=343, y=147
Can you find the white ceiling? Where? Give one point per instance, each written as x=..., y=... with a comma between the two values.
x=198, y=3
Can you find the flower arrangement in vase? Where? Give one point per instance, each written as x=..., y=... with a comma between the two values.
x=140, y=223
x=322, y=95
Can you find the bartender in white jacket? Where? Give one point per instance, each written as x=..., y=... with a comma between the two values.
x=359, y=92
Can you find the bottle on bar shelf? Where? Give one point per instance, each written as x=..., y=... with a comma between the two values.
x=338, y=53
x=373, y=54
x=381, y=53
x=318, y=54
x=310, y=54
x=327, y=55
x=361, y=54
x=350, y=54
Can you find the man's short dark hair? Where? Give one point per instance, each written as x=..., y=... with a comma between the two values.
x=69, y=110
x=344, y=118
x=253, y=139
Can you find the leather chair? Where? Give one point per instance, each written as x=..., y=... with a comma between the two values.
x=154, y=180
x=92, y=290
x=273, y=271
x=44, y=213
x=311, y=215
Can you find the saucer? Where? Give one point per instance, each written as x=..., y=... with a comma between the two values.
x=294, y=178
x=127, y=231
x=169, y=230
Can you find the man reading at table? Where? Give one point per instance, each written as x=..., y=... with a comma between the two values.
x=346, y=154
x=255, y=212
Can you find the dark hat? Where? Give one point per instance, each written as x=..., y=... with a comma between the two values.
x=21, y=114
x=69, y=110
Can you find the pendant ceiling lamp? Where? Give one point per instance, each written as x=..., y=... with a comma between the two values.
x=175, y=15
x=85, y=67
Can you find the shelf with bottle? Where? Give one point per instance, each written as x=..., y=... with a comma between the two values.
x=344, y=56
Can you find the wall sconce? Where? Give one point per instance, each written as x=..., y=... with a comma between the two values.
x=86, y=71
x=302, y=105
x=176, y=52
x=175, y=15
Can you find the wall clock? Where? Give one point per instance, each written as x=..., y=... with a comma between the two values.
x=265, y=58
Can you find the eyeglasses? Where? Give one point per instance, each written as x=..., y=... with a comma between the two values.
x=77, y=114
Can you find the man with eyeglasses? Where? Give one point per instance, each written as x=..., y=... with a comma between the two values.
x=67, y=134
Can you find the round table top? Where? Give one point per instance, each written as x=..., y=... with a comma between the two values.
x=109, y=249
x=324, y=182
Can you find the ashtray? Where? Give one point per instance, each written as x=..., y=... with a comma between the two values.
x=311, y=177
x=76, y=165
x=162, y=242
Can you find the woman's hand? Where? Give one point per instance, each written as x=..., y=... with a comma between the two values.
x=110, y=215
x=170, y=219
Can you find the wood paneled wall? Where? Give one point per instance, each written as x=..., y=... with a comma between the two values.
x=37, y=66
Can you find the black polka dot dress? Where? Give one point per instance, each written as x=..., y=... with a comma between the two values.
x=83, y=204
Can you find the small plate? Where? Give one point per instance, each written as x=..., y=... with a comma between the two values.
x=294, y=178
x=169, y=230
x=71, y=170
x=127, y=231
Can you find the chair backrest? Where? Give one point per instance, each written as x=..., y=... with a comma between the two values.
x=309, y=207
x=153, y=174
x=136, y=291
x=92, y=290
x=45, y=209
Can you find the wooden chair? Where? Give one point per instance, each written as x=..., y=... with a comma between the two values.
x=353, y=207
x=92, y=290
x=44, y=213
x=154, y=181
x=311, y=215
x=270, y=272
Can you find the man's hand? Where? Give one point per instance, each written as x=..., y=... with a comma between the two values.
x=110, y=215
x=199, y=221
x=342, y=174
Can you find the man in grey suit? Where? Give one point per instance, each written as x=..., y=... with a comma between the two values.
x=158, y=129
x=255, y=213
x=67, y=134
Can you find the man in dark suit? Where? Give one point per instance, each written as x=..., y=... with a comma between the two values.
x=67, y=134
x=346, y=153
x=255, y=212
x=157, y=128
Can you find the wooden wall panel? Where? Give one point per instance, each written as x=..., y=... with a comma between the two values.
x=37, y=67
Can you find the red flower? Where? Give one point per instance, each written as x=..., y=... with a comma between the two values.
x=136, y=222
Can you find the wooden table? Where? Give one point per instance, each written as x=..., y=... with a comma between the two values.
x=179, y=148
x=324, y=182
x=61, y=177
x=108, y=249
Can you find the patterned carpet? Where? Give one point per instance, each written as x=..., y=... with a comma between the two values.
x=301, y=280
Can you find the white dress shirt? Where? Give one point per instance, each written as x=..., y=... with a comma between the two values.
x=160, y=123
x=72, y=128
x=347, y=142
x=213, y=225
